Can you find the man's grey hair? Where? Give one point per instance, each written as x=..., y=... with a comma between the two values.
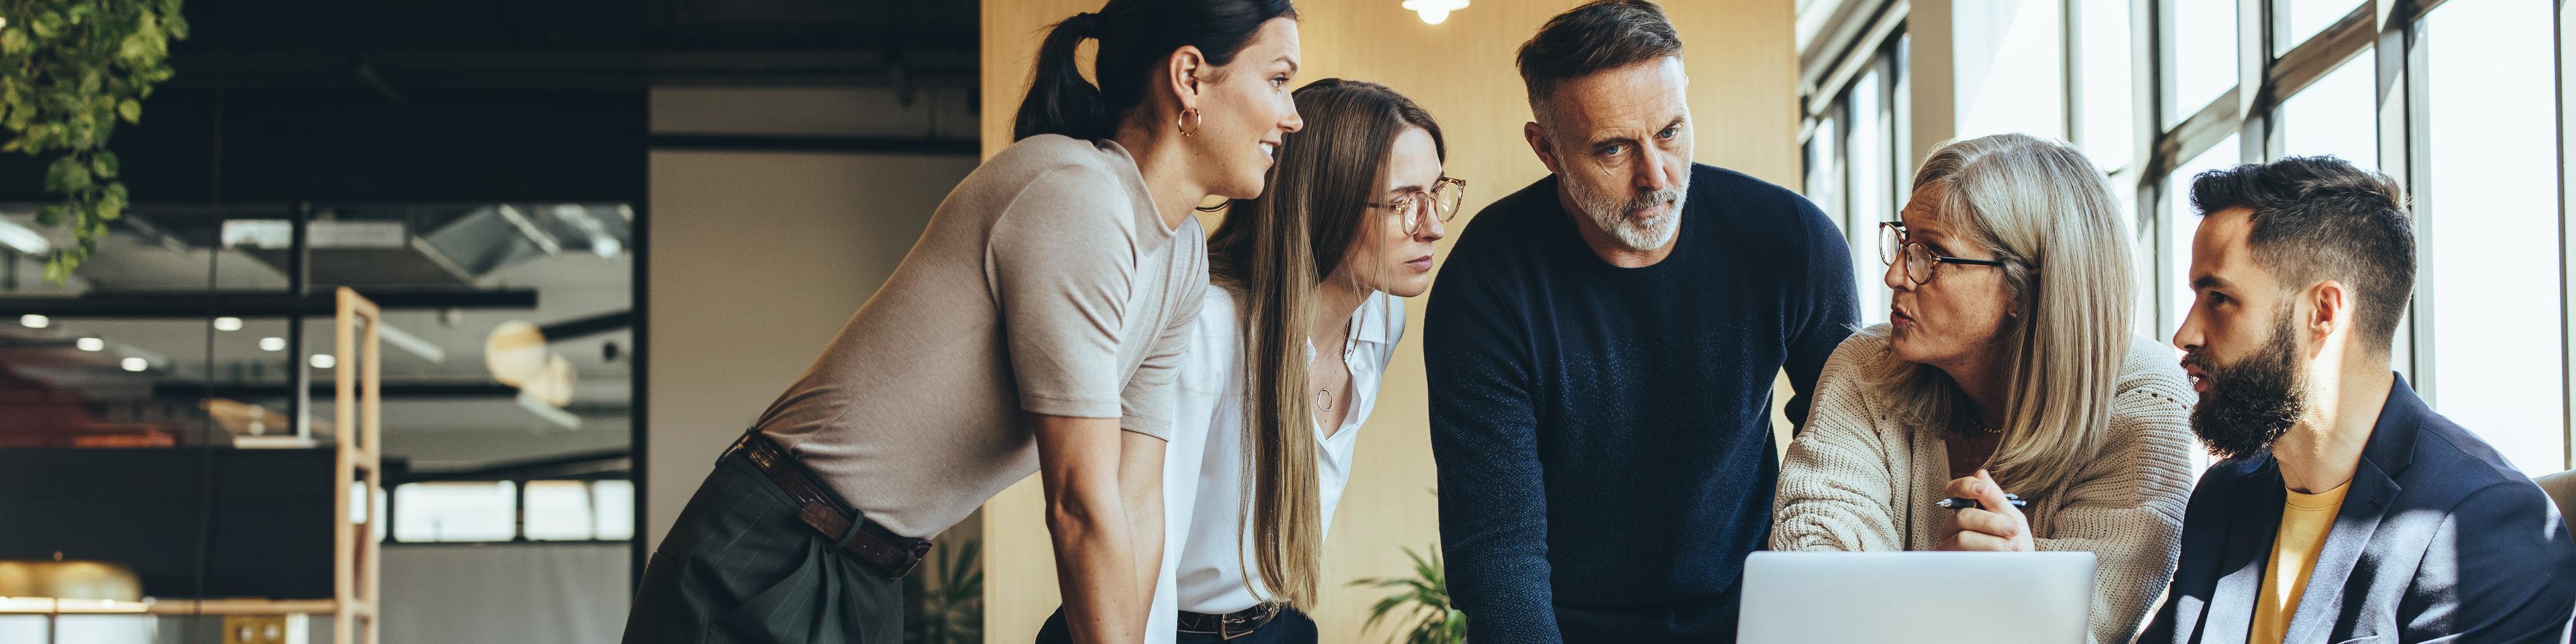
x=1600, y=35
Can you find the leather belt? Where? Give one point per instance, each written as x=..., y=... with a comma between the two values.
x=892, y=554
x=1229, y=625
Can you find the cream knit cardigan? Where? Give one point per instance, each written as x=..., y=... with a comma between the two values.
x=1855, y=480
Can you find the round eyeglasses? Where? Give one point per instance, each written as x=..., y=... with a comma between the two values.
x=1919, y=259
x=1441, y=201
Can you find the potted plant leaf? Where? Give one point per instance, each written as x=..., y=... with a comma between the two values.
x=1423, y=602
x=952, y=610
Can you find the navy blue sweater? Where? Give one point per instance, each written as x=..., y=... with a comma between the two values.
x=1603, y=433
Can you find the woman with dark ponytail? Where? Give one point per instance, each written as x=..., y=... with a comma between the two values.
x=1035, y=327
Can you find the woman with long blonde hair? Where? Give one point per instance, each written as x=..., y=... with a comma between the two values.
x=1290, y=345
x=2008, y=367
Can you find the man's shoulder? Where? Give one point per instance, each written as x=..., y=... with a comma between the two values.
x=1744, y=191
x=2450, y=464
x=1512, y=215
x=2225, y=482
x=2497, y=517
x=1509, y=230
x=1759, y=216
x=1732, y=181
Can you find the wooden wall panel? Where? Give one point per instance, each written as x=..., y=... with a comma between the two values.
x=1743, y=72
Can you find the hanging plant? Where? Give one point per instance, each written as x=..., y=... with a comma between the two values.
x=69, y=70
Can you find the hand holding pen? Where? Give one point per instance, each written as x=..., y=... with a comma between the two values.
x=1989, y=520
x=1962, y=503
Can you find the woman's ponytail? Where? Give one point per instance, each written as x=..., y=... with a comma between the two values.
x=1060, y=101
x=1134, y=47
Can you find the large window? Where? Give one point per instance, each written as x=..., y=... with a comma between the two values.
x=2106, y=114
x=538, y=510
x=2295, y=21
x=2338, y=116
x=1825, y=177
x=2466, y=117
x=580, y=510
x=1874, y=194
x=2200, y=55
x=2486, y=209
x=2011, y=73
x=2181, y=220
x=1855, y=169
x=2466, y=120
x=457, y=511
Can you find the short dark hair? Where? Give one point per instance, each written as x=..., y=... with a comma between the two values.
x=2320, y=218
x=1599, y=35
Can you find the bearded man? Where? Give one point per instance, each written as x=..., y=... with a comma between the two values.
x=2346, y=510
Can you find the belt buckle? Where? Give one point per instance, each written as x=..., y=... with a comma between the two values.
x=750, y=447
x=1269, y=610
x=913, y=556
x=742, y=444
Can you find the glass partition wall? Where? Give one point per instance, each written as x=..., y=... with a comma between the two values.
x=171, y=403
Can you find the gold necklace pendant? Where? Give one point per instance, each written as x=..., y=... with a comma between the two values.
x=1324, y=395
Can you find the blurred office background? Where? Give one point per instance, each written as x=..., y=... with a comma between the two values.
x=604, y=235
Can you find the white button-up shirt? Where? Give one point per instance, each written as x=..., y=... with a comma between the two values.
x=1205, y=566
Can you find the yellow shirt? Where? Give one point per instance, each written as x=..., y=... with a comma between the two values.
x=2305, y=518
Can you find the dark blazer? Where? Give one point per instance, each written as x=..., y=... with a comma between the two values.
x=2438, y=541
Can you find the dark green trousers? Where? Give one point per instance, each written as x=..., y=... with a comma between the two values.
x=739, y=567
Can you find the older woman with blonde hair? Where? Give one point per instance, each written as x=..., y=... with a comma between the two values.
x=2007, y=367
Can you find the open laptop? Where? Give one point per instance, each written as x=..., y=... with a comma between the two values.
x=1916, y=597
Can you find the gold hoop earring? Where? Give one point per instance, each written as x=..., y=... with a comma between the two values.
x=1188, y=123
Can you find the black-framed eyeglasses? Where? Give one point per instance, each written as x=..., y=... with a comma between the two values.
x=1919, y=259
x=1440, y=201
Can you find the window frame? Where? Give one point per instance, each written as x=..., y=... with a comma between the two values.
x=2390, y=31
x=1883, y=62
x=588, y=468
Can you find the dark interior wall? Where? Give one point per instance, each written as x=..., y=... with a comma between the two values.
x=200, y=146
x=260, y=518
x=277, y=101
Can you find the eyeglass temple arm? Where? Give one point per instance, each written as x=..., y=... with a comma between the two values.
x=1963, y=260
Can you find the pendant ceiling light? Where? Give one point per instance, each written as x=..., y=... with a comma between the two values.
x=1434, y=11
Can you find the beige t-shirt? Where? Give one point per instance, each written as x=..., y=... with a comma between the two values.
x=1046, y=282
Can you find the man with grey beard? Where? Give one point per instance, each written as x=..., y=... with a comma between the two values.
x=1601, y=349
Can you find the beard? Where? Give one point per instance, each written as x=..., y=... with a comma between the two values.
x=1610, y=214
x=2250, y=403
